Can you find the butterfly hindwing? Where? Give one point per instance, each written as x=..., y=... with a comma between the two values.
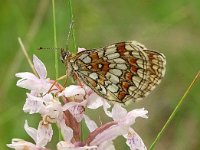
x=120, y=72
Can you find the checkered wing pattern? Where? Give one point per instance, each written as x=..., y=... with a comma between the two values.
x=120, y=72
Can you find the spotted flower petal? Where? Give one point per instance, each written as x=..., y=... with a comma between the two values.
x=134, y=141
x=63, y=145
x=108, y=145
x=42, y=135
x=95, y=101
x=118, y=112
x=19, y=144
x=121, y=125
x=132, y=115
x=108, y=135
x=39, y=67
x=33, y=104
x=32, y=82
x=90, y=123
x=66, y=131
x=73, y=90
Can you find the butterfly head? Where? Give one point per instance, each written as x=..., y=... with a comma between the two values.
x=66, y=60
x=65, y=55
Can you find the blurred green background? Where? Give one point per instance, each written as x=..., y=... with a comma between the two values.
x=171, y=27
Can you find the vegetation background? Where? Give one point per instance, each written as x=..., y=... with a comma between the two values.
x=171, y=27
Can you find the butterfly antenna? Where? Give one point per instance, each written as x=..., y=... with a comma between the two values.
x=69, y=33
x=64, y=52
x=49, y=48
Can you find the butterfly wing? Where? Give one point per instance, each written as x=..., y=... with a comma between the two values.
x=120, y=72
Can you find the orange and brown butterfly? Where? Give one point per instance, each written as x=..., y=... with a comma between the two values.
x=121, y=72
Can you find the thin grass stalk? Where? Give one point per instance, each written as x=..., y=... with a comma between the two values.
x=55, y=39
x=175, y=111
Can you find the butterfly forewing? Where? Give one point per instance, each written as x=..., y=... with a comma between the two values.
x=120, y=72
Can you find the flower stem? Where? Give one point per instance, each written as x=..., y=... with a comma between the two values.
x=55, y=38
x=175, y=111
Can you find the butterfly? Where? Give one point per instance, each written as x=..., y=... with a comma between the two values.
x=120, y=72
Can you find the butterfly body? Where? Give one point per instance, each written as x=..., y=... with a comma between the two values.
x=119, y=72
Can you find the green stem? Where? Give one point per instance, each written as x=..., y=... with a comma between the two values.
x=175, y=111
x=73, y=30
x=55, y=54
x=55, y=38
